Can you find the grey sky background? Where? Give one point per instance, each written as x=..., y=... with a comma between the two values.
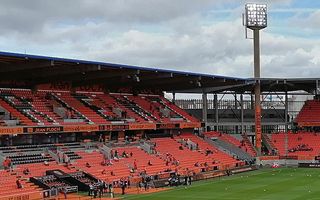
x=192, y=35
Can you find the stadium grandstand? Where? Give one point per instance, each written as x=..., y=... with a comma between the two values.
x=72, y=126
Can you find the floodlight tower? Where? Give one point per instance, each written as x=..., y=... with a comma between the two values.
x=256, y=19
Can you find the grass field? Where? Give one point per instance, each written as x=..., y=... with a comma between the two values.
x=275, y=184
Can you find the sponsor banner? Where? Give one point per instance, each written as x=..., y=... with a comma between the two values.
x=23, y=196
x=167, y=126
x=190, y=125
x=141, y=126
x=114, y=127
x=51, y=129
x=235, y=171
x=309, y=165
x=11, y=130
x=269, y=157
x=81, y=128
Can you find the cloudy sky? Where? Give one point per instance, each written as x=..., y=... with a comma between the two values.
x=191, y=35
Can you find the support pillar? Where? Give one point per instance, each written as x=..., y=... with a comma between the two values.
x=286, y=122
x=252, y=102
x=205, y=110
x=173, y=97
x=241, y=101
x=317, y=89
x=216, y=111
x=236, y=111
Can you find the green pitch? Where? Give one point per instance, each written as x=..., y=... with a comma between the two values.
x=273, y=184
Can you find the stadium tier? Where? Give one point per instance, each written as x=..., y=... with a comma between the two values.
x=23, y=107
x=309, y=115
x=303, y=144
x=182, y=154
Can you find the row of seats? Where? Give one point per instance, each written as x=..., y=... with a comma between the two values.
x=243, y=144
x=95, y=108
x=310, y=112
x=311, y=140
x=135, y=162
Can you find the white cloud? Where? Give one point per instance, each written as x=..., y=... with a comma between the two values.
x=163, y=34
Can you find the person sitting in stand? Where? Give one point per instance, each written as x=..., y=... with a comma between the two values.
x=88, y=165
x=26, y=171
x=208, y=151
x=104, y=171
x=109, y=162
x=180, y=147
x=103, y=163
x=124, y=154
x=149, y=163
x=6, y=163
x=116, y=154
x=18, y=183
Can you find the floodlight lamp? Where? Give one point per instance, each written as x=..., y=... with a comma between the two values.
x=256, y=16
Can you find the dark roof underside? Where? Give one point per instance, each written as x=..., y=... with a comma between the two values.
x=39, y=70
x=35, y=70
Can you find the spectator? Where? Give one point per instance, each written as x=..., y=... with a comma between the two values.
x=91, y=188
x=189, y=179
x=111, y=191
x=26, y=171
x=18, y=183
x=123, y=187
x=64, y=190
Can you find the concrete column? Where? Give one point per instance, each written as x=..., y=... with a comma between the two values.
x=173, y=97
x=252, y=102
x=317, y=86
x=205, y=109
x=286, y=111
x=241, y=101
x=286, y=122
x=216, y=110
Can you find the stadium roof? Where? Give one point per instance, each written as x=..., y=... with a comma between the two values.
x=267, y=85
x=35, y=70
